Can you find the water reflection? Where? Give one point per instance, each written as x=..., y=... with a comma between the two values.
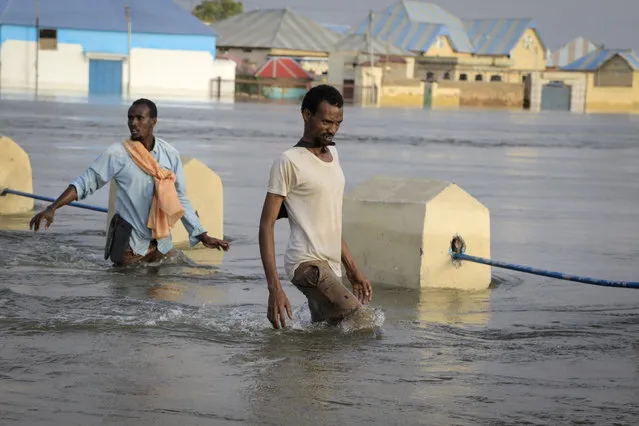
x=437, y=305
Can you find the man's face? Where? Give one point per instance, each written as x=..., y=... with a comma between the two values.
x=140, y=122
x=324, y=124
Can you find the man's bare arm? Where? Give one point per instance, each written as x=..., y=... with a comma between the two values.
x=67, y=197
x=278, y=301
x=362, y=288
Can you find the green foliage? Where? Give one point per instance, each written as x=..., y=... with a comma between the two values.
x=217, y=10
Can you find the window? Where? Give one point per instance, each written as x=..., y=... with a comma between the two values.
x=528, y=42
x=463, y=77
x=495, y=78
x=446, y=76
x=430, y=76
x=479, y=77
x=615, y=73
x=440, y=43
x=48, y=39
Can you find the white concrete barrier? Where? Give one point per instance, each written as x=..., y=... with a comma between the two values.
x=400, y=231
x=205, y=191
x=15, y=173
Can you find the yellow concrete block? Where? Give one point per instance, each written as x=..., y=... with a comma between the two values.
x=400, y=231
x=205, y=191
x=15, y=173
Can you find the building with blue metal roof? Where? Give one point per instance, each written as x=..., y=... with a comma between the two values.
x=115, y=48
x=570, y=52
x=598, y=58
x=612, y=80
x=415, y=26
x=449, y=47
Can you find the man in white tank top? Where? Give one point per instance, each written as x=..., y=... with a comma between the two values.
x=306, y=185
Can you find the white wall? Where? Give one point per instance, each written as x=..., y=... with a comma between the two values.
x=64, y=71
x=154, y=72
x=225, y=69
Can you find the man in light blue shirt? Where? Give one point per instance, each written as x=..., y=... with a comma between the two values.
x=135, y=190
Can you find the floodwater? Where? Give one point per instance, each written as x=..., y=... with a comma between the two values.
x=189, y=344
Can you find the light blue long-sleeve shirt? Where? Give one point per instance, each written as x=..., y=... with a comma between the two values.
x=135, y=191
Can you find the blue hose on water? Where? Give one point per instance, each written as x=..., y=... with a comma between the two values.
x=40, y=197
x=551, y=274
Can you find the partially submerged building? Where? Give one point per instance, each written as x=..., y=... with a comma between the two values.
x=114, y=48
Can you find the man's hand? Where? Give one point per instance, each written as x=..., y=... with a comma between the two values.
x=277, y=304
x=46, y=214
x=361, y=286
x=213, y=243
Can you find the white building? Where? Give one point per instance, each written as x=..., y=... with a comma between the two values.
x=152, y=48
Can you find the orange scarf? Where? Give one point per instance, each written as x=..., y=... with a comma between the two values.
x=166, y=209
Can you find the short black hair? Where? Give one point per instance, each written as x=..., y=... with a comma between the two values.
x=319, y=94
x=153, y=110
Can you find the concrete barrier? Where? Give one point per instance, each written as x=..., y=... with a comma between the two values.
x=205, y=191
x=15, y=173
x=400, y=232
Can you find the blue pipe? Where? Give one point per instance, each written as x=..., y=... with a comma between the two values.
x=40, y=197
x=551, y=274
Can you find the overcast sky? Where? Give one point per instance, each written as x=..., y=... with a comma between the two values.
x=609, y=22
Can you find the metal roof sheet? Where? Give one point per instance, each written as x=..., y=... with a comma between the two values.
x=594, y=60
x=147, y=16
x=570, y=52
x=275, y=29
x=359, y=43
x=496, y=36
x=415, y=25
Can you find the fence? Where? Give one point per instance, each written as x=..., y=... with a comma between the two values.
x=284, y=90
x=259, y=89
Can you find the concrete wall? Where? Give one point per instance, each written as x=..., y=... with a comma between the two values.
x=254, y=57
x=488, y=94
x=407, y=94
x=612, y=99
x=577, y=81
x=364, y=79
x=444, y=97
x=337, y=67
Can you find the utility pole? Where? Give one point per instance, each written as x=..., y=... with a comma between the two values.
x=37, y=58
x=127, y=11
x=369, y=42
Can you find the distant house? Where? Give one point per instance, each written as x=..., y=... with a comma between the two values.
x=352, y=53
x=612, y=80
x=258, y=35
x=81, y=47
x=286, y=79
x=570, y=52
x=450, y=48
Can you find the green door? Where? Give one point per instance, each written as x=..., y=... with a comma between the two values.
x=428, y=96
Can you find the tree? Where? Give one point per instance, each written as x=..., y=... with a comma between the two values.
x=217, y=10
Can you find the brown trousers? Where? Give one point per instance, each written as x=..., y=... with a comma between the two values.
x=328, y=299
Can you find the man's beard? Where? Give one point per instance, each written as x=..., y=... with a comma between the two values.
x=322, y=142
